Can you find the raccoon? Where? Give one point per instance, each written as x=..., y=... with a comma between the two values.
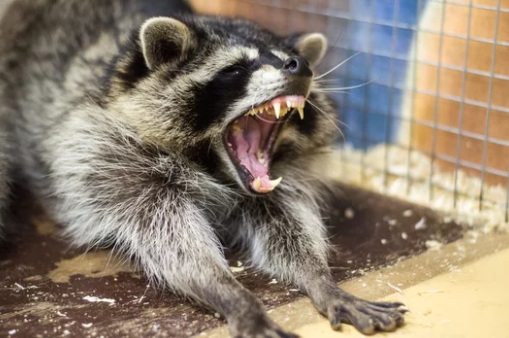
x=167, y=136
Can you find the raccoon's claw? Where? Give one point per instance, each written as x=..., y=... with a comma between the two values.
x=367, y=317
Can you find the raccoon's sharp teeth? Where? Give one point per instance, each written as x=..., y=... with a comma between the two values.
x=301, y=112
x=260, y=156
x=257, y=183
x=236, y=128
x=275, y=183
x=277, y=109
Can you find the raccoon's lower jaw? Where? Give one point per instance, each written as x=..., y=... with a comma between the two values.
x=250, y=138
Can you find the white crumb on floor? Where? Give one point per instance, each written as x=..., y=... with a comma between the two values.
x=433, y=244
x=472, y=236
x=406, y=174
x=13, y=331
x=408, y=213
x=421, y=225
x=394, y=287
x=94, y=299
x=349, y=213
x=21, y=287
x=86, y=325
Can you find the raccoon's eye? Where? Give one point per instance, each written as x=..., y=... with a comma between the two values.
x=234, y=70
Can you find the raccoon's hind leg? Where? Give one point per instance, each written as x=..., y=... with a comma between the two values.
x=287, y=238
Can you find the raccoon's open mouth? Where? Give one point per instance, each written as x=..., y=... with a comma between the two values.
x=251, y=137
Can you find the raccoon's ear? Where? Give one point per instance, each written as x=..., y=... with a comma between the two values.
x=311, y=47
x=164, y=40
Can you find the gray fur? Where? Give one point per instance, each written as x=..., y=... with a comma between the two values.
x=4, y=170
x=123, y=155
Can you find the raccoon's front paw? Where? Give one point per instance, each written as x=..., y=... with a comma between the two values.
x=258, y=327
x=367, y=317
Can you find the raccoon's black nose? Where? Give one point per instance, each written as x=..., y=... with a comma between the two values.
x=297, y=65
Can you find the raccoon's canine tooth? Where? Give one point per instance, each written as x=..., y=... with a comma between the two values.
x=260, y=157
x=257, y=183
x=289, y=104
x=275, y=183
x=236, y=129
x=277, y=109
x=301, y=112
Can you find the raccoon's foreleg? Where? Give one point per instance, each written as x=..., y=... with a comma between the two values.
x=154, y=208
x=287, y=239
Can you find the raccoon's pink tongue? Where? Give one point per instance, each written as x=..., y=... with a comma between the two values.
x=249, y=139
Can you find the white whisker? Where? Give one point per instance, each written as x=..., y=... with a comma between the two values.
x=331, y=91
x=336, y=67
x=326, y=80
x=347, y=88
x=315, y=107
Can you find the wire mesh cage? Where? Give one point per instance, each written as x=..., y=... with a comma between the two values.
x=423, y=88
